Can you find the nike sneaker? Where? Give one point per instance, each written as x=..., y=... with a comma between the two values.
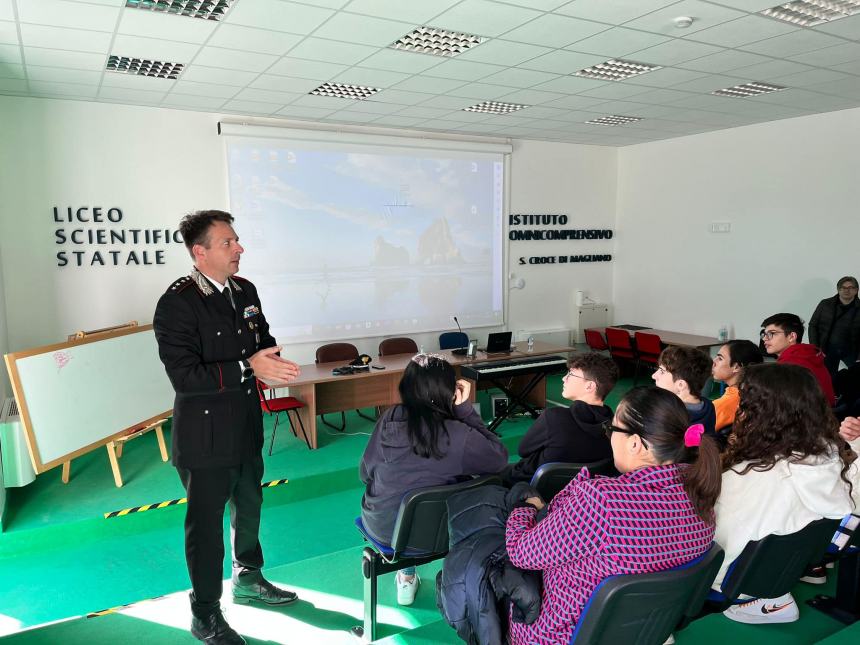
x=815, y=575
x=764, y=610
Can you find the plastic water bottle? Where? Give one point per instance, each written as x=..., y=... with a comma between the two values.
x=421, y=349
x=723, y=334
x=531, y=343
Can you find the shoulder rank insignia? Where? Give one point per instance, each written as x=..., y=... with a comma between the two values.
x=182, y=283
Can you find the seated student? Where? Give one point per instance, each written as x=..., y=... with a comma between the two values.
x=573, y=434
x=785, y=467
x=782, y=335
x=728, y=367
x=434, y=437
x=658, y=514
x=684, y=371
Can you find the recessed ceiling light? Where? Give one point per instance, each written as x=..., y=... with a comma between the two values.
x=808, y=13
x=614, y=119
x=748, y=89
x=205, y=9
x=143, y=67
x=437, y=42
x=495, y=107
x=345, y=91
x=616, y=70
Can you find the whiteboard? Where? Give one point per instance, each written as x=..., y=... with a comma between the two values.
x=77, y=396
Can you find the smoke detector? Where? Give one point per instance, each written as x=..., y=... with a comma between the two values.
x=682, y=22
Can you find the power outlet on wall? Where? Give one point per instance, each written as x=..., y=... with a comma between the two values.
x=721, y=227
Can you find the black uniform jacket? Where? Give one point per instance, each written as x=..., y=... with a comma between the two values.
x=217, y=421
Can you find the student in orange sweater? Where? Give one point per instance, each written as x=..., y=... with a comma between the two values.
x=728, y=367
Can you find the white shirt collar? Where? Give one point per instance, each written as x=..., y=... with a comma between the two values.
x=221, y=286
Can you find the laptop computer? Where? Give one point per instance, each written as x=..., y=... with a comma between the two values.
x=498, y=343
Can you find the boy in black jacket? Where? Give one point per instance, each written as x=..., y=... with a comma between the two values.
x=574, y=434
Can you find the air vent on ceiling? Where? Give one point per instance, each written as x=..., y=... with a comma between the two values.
x=614, y=119
x=808, y=13
x=748, y=89
x=143, y=67
x=616, y=70
x=437, y=42
x=204, y=9
x=345, y=91
x=495, y=107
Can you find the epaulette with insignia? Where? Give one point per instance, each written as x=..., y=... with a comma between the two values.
x=234, y=282
x=181, y=284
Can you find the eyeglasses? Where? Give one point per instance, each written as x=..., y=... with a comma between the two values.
x=849, y=287
x=423, y=360
x=570, y=373
x=660, y=371
x=609, y=428
x=770, y=334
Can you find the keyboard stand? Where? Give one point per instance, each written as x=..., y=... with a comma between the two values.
x=516, y=400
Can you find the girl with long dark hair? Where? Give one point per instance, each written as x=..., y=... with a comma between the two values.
x=433, y=437
x=658, y=514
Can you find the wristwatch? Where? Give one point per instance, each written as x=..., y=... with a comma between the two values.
x=247, y=370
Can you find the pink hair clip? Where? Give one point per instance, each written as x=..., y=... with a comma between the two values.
x=693, y=435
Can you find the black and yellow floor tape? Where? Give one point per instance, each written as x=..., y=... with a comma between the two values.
x=174, y=502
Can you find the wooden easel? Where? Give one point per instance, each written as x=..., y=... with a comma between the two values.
x=114, y=448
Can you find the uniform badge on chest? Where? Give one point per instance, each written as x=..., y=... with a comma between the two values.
x=251, y=310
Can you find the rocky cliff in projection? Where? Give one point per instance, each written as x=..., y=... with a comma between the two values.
x=436, y=245
x=388, y=255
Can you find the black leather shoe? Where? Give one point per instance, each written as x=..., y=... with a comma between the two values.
x=263, y=591
x=214, y=630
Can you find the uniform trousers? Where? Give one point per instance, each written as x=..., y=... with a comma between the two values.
x=208, y=490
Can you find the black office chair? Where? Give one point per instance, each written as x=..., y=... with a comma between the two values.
x=845, y=605
x=550, y=478
x=453, y=340
x=420, y=536
x=646, y=608
x=770, y=567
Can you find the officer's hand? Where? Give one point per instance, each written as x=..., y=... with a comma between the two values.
x=270, y=367
x=850, y=429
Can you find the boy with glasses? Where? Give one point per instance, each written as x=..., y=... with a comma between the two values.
x=574, y=434
x=782, y=335
x=684, y=371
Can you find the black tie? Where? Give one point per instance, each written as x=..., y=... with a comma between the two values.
x=229, y=296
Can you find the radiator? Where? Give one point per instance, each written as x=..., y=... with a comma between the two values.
x=17, y=467
x=588, y=316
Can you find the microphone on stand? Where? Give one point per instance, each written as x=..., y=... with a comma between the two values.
x=462, y=351
x=458, y=324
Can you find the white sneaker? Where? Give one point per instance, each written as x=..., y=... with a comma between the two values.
x=406, y=589
x=670, y=640
x=765, y=610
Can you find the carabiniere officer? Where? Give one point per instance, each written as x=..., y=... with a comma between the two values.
x=214, y=342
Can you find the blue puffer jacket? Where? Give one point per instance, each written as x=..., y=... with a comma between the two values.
x=478, y=583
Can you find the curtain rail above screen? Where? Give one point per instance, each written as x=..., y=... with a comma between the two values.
x=342, y=136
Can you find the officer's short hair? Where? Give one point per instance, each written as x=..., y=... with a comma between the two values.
x=194, y=227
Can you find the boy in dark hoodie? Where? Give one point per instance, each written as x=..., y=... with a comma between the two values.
x=684, y=370
x=574, y=434
x=781, y=335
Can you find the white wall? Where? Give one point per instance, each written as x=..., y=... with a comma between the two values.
x=157, y=164
x=791, y=191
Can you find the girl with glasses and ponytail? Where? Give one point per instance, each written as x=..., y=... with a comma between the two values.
x=658, y=514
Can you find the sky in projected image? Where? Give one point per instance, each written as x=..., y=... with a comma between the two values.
x=350, y=242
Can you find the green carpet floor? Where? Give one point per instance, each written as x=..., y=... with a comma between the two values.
x=60, y=559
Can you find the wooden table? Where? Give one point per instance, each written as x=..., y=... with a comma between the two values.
x=676, y=338
x=323, y=393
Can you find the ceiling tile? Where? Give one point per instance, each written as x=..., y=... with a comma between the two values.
x=813, y=77
x=135, y=82
x=400, y=121
x=844, y=53
x=209, y=103
x=122, y=94
x=429, y=84
x=615, y=12
x=481, y=91
x=661, y=96
x=530, y=97
x=301, y=68
x=299, y=112
x=401, y=61
x=674, y=52
x=708, y=83
x=250, y=107
x=152, y=48
x=464, y=70
x=61, y=58
x=447, y=102
x=484, y=18
x=846, y=27
x=417, y=13
x=11, y=70
x=400, y=97
x=704, y=15
x=251, y=39
x=425, y=112
x=569, y=84
x=6, y=12
x=574, y=103
x=743, y=31
x=617, y=42
x=850, y=88
x=10, y=54
x=516, y=77
x=364, y=30
x=849, y=68
x=370, y=77
x=284, y=84
x=797, y=42
x=503, y=52
x=68, y=14
x=542, y=112
x=278, y=15
x=322, y=102
x=65, y=90
x=8, y=33
x=663, y=77
x=13, y=85
x=217, y=76
x=267, y=96
x=770, y=70
x=166, y=27
x=331, y=51
x=234, y=59
x=374, y=107
x=551, y=30
x=60, y=75
x=78, y=40
x=210, y=90
x=562, y=61
x=724, y=61
x=614, y=91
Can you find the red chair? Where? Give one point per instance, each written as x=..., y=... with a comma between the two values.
x=401, y=345
x=648, y=348
x=276, y=405
x=594, y=339
x=620, y=345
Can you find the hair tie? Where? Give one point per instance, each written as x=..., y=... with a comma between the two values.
x=693, y=435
